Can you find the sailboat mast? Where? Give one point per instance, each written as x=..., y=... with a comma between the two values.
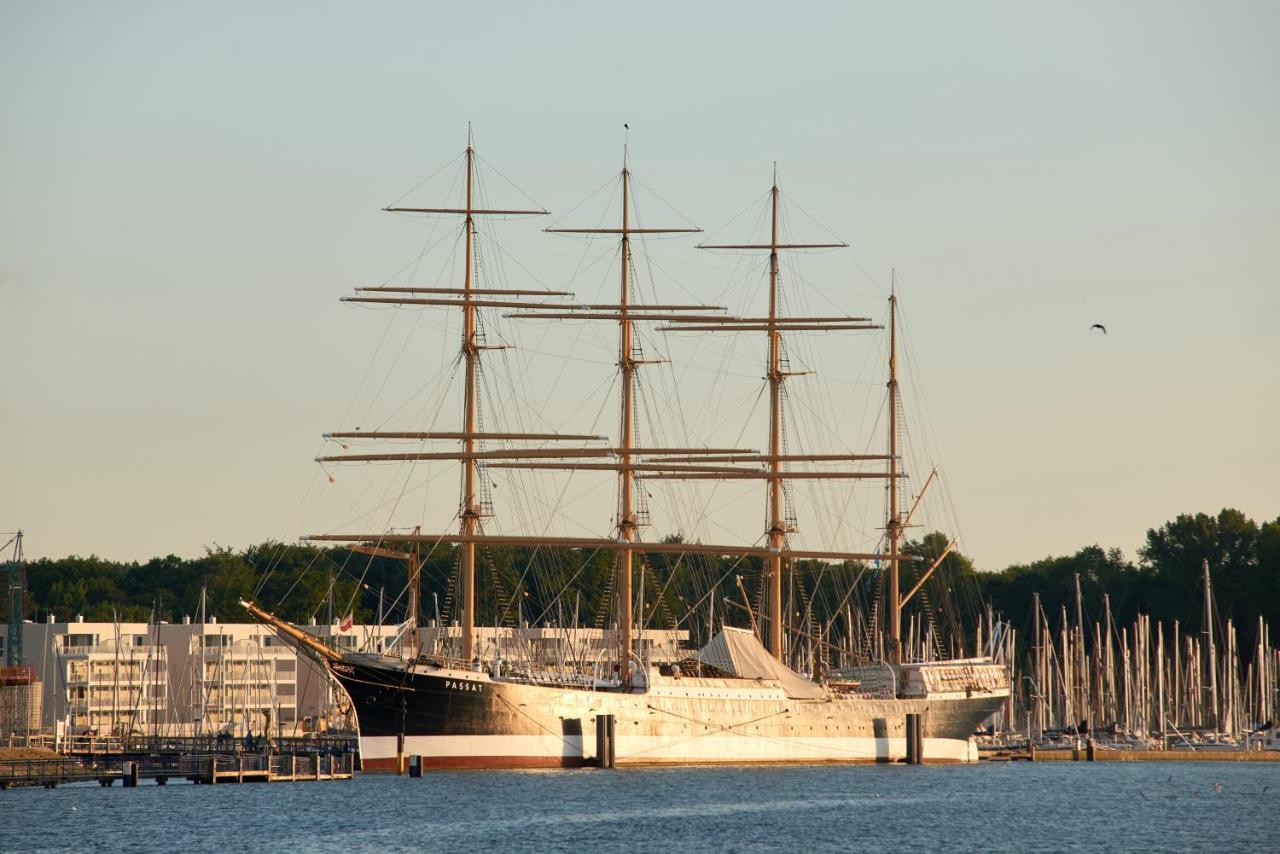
x=894, y=609
x=1211, y=658
x=777, y=522
x=471, y=354
x=626, y=477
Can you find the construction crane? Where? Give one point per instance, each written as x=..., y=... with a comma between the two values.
x=17, y=585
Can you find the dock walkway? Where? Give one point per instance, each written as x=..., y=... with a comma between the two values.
x=208, y=769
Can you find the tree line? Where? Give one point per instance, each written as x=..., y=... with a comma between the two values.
x=302, y=582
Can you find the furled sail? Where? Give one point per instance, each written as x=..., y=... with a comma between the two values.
x=736, y=651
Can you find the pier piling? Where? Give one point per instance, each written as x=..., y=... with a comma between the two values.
x=914, y=740
x=605, y=755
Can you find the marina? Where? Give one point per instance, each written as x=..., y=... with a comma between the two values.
x=1143, y=691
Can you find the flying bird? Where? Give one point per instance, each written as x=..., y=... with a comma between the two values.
x=1099, y=326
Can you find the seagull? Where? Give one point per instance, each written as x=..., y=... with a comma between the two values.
x=1217, y=787
x=1099, y=326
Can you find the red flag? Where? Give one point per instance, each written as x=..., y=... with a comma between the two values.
x=345, y=625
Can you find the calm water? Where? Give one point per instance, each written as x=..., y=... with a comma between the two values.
x=1002, y=806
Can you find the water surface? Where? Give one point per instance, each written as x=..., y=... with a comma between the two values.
x=988, y=807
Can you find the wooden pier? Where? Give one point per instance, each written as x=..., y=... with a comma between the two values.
x=210, y=769
x=1095, y=752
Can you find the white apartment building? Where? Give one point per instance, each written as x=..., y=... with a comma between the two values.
x=108, y=678
x=235, y=678
x=232, y=678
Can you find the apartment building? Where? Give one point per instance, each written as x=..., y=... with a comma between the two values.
x=210, y=678
x=108, y=678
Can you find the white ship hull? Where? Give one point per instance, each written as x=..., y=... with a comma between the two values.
x=464, y=719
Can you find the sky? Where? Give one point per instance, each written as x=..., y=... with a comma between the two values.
x=186, y=190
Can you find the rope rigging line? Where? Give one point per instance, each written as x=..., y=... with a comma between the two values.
x=395, y=202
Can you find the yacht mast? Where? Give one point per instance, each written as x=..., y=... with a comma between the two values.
x=1211, y=658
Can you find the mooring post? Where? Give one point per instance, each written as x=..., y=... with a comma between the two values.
x=400, y=753
x=913, y=739
x=1090, y=752
x=415, y=766
x=605, y=755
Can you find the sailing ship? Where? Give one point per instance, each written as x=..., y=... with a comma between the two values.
x=459, y=704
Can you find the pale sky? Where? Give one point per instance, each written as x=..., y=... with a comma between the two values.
x=186, y=189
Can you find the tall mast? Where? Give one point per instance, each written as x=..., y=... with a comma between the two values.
x=625, y=313
x=1211, y=658
x=626, y=450
x=469, y=512
x=204, y=590
x=894, y=610
x=777, y=520
x=469, y=298
x=626, y=475
x=774, y=325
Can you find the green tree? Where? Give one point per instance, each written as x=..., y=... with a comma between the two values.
x=1174, y=556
